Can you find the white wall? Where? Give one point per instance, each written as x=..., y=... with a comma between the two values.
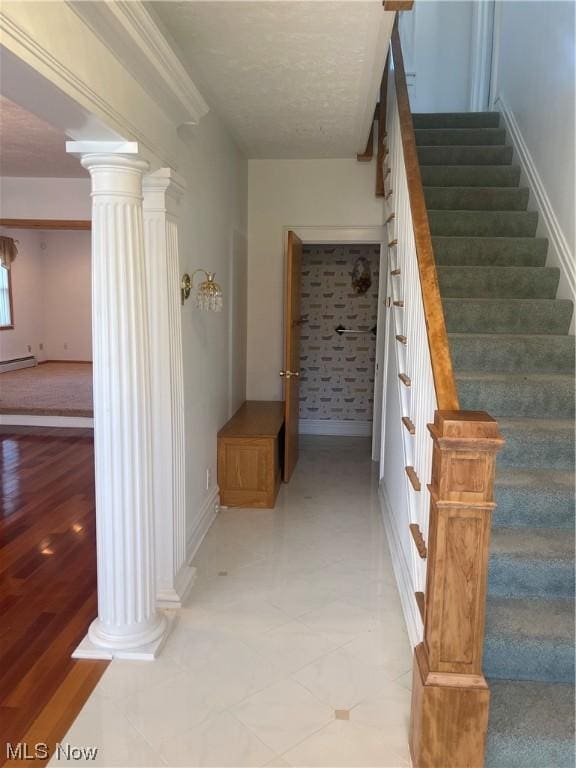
x=535, y=79
x=284, y=194
x=45, y=198
x=212, y=236
x=50, y=296
x=67, y=295
x=436, y=38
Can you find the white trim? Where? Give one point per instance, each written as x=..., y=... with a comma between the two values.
x=335, y=235
x=481, y=55
x=88, y=650
x=105, y=147
x=25, y=420
x=559, y=253
x=162, y=192
x=131, y=33
x=18, y=363
x=495, y=68
x=402, y=573
x=380, y=354
x=206, y=516
x=175, y=597
x=334, y=427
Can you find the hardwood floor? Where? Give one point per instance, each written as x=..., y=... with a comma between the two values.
x=47, y=580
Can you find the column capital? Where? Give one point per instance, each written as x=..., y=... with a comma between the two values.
x=119, y=176
x=163, y=189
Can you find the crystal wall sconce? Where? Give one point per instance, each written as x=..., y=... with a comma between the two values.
x=208, y=293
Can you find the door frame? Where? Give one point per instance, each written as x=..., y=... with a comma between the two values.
x=482, y=67
x=343, y=235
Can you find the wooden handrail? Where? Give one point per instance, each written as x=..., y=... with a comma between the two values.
x=442, y=371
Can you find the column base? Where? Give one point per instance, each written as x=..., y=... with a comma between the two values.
x=448, y=718
x=147, y=651
x=175, y=597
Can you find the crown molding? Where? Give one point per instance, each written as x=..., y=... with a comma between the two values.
x=131, y=34
x=72, y=97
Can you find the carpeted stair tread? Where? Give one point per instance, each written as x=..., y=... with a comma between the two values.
x=536, y=395
x=524, y=316
x=499, y=154
x=470, y=175
x=476, y=198
x=531, y=725
x=529, y=639
x=537, y=498
x=469, y=137
x=511, y=352
x=498, y=282
x=456, y=119
x=537, y=443
x=514, y=359
x=531, y=562
x=483, y=223
x=486, y=251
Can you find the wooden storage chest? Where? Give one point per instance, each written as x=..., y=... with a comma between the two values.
x=250, y=455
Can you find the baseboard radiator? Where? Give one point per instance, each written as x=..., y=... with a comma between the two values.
x=18, y=362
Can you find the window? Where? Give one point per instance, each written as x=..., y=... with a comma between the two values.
x=6, y=320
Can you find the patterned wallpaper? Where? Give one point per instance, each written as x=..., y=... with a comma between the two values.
x=337, y=372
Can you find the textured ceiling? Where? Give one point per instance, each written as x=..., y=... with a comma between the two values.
x=290, y=79
x=31, y=147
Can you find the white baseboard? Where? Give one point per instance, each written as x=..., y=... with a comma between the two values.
x=25, y=420
x=206, y=516
x=330, y=427
x=402, y=573
x=18, y=363
x=559, y=250
x=176, y=597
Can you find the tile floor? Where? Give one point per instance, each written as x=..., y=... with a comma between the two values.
x=292, y=649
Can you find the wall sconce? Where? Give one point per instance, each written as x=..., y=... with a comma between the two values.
x=208, y=293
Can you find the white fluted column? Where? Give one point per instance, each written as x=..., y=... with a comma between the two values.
x=162, y=192
x=128, y=623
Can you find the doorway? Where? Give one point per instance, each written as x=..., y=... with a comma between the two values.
x=338, y=341
x=347, y=245
x=46, y=335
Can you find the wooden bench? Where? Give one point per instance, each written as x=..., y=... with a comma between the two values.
x=250, y=455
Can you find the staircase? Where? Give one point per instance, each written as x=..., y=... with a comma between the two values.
x=513, y=358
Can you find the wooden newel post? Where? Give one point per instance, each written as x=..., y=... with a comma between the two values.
x=450, y=696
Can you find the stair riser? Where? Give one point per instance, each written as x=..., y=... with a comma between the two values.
x=513, y=659
x=547, y=508
x=456, y=120
x=503, y=316
x=522, y=399
x=502, y=252
x=499, y=155
x=543, y=450
x=520, y=354
x=524, y=577
x=468, y=137
x=506, y=282
x=470, y=175
x=483, y=223
x=477, y=199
